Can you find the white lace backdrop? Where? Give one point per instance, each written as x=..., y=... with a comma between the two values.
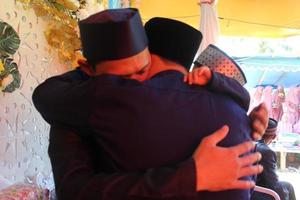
x=23, y=133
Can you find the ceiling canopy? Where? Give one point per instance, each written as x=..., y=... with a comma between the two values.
x=271, y=71
x=257, y=18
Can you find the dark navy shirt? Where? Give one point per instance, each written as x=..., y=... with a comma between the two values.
x=138, y=127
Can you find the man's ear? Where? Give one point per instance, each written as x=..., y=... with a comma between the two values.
x=82, y=62
x=86, y=67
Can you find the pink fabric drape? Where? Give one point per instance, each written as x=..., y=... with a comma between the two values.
x=292, y=105
x=256, y=97
x=284, y=125
x=278, y=98
x=296, y=126
x=267, y=98
x=283, y=106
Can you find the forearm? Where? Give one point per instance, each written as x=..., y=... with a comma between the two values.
x=76, y=177
x=158, y=183
x=63, y=99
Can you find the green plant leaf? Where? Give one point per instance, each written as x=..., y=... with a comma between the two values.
x=9, y=40
x=10, y=68
x=15, y=84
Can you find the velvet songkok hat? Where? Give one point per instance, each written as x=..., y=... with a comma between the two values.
x=112, y=34
x=219, y=61
x=173, y=40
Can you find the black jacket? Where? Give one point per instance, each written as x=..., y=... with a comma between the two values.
x=132, y=140
x=268, y=178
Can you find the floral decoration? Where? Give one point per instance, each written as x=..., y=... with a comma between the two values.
x=10, y=77
x=21, y=191
x=62, y=16
x=9, y=40
x=61, y=32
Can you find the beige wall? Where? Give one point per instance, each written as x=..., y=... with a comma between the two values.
x=23, y=133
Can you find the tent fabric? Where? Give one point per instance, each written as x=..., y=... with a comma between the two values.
x=287, y=64
x=263, y=19
x=209, y=24
x=237, y=18
x=283, y=106
x=274, y=71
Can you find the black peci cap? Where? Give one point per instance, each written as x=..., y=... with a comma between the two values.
x=173, y=40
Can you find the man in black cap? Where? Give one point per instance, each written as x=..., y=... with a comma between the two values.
x=169, y=59
x=268, y=178
x=167, y=42
x=131, y=131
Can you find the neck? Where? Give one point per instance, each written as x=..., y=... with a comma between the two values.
x=159, y=64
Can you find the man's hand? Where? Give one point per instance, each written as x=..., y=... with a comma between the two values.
x=259, y=118
x=199, y=76
x=219, y=168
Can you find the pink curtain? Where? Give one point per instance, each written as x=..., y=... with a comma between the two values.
x=285, y=125
x=267, y=98
x=256, y=97
x=292, y=105
x=278, y=98
x=283, y=106
x=296, y=126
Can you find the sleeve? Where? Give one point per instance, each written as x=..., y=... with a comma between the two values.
x=225, y=85
x=64, y=99
x=269, y=164
x=76, y=177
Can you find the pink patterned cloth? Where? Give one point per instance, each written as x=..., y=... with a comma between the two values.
x=282, y=106
x=292, y=105
x=278, y=99
x=256, y=97
x=24, y=192
x=267, y=98
x=298, y=102
x=284, y=125
x=296, y=126
x=258, y=94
